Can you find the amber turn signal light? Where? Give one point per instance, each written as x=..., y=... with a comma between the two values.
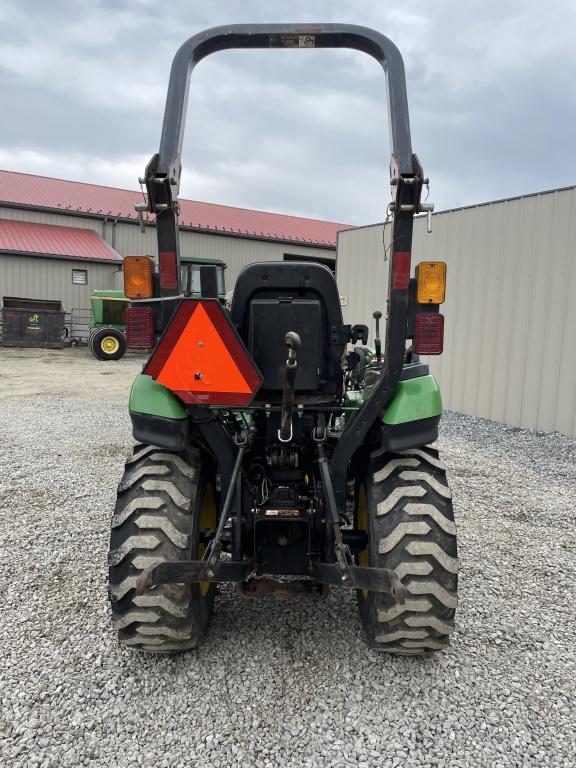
x=138, y=277
x=431, y=282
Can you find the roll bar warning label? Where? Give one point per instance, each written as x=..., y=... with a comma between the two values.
x=293, y=41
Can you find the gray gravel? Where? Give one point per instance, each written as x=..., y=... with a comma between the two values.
x=287, y=684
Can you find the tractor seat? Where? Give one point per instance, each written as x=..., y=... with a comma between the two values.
x=273, y=297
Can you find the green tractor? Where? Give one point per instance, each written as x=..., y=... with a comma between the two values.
x=272, y=442
x=107, y=339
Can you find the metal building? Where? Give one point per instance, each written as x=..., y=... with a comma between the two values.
x=235, y=235
x=63, y=264
x=509, y=351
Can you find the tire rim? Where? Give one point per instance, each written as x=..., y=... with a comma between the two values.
x=207, y=523
x=109, y=345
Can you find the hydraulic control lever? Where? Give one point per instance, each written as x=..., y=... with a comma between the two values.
x=377, y=343
x=294, y=343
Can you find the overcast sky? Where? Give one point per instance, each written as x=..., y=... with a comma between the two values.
x=491, y=87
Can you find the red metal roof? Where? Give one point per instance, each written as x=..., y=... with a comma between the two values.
x=58, y=194
x=66, y=242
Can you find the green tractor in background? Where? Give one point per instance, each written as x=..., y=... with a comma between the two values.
x=107, y=340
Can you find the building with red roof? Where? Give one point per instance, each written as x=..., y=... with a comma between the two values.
x=43, y=193
x=29, y=239
x=60, y=240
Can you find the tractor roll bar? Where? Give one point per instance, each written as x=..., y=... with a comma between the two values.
x=282, y=36
x=162, y=178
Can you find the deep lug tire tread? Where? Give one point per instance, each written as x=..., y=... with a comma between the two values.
x=155, y=519
x=412, y=531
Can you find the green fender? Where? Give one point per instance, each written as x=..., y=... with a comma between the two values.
x=147, y=396
x=414, y=399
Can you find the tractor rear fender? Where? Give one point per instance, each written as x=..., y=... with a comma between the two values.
x=412, y=416
x=414, y=399
x=158, y=417
x=149, y=397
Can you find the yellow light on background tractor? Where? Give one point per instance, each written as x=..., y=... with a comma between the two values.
x=138, y=277
x=431, y=282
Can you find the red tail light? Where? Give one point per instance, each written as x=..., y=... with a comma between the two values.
x=139, y=327
x=429, y=333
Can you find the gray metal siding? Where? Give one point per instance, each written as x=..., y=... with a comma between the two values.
x=236, y=252
x=51, y=279
x=239, y=252
x=57, y=219
x=362, y=275
x=510, y=313
x=128, y=240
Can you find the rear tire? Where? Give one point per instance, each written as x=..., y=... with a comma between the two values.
x=405, y=506
x=107, y=344
x=164, y=499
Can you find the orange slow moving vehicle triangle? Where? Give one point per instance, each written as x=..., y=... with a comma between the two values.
x=200, y=352
x=202, y=359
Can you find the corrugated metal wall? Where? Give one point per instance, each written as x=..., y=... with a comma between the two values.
x=362, y=274
x=51, y=279
x=127, y=239
x=238, y=252
x=510, y=353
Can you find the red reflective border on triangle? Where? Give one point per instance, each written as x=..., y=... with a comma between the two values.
x=229, y=336
x=214, y=398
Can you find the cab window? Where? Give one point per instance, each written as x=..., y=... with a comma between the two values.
x=113, y=311
x=190, y=279
x=184, y=278
x=195, y=279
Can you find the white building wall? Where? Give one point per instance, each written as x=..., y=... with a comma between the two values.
x=510, y=312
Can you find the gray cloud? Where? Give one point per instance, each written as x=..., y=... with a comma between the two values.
x=491, y=87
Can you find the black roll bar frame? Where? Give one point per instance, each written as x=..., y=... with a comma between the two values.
x=163, y=174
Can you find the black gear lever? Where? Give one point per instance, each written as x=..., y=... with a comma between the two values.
x=377, y=343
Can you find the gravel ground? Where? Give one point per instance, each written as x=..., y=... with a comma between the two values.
x=275, y=684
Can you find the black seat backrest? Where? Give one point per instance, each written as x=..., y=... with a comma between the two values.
x=274, y=297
